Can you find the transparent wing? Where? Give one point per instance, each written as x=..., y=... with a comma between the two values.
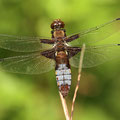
x=22, y=44
x=27, y=64
x=97, y=33
x=96, y=55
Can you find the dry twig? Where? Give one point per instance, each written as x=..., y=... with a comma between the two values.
x=78, y=80
x=63, y=101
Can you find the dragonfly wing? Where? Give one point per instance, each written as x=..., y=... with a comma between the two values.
x=33, y=63
x=96, y=55
x=97, y=33
x=22, y=44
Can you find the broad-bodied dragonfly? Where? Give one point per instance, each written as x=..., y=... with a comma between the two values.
x=60, y=51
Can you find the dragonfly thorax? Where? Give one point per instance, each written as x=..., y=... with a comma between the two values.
x=58, y=33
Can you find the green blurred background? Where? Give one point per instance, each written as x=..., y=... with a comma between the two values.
x=35, y=97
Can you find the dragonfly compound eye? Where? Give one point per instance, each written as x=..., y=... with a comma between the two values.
x=57, y=24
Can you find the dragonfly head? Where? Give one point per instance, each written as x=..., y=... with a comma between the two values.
x=57, y=24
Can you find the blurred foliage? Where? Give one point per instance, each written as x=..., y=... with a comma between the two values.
x=30, y=97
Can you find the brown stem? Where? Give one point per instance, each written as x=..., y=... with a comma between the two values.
x=78, y=80
x=64, y=105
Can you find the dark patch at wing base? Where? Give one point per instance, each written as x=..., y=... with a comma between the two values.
x=72, y=51
x=49, y=53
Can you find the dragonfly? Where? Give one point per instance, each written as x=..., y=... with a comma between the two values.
x=60, y=52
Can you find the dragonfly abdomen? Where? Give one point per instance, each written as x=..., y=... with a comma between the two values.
x=63, y=73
